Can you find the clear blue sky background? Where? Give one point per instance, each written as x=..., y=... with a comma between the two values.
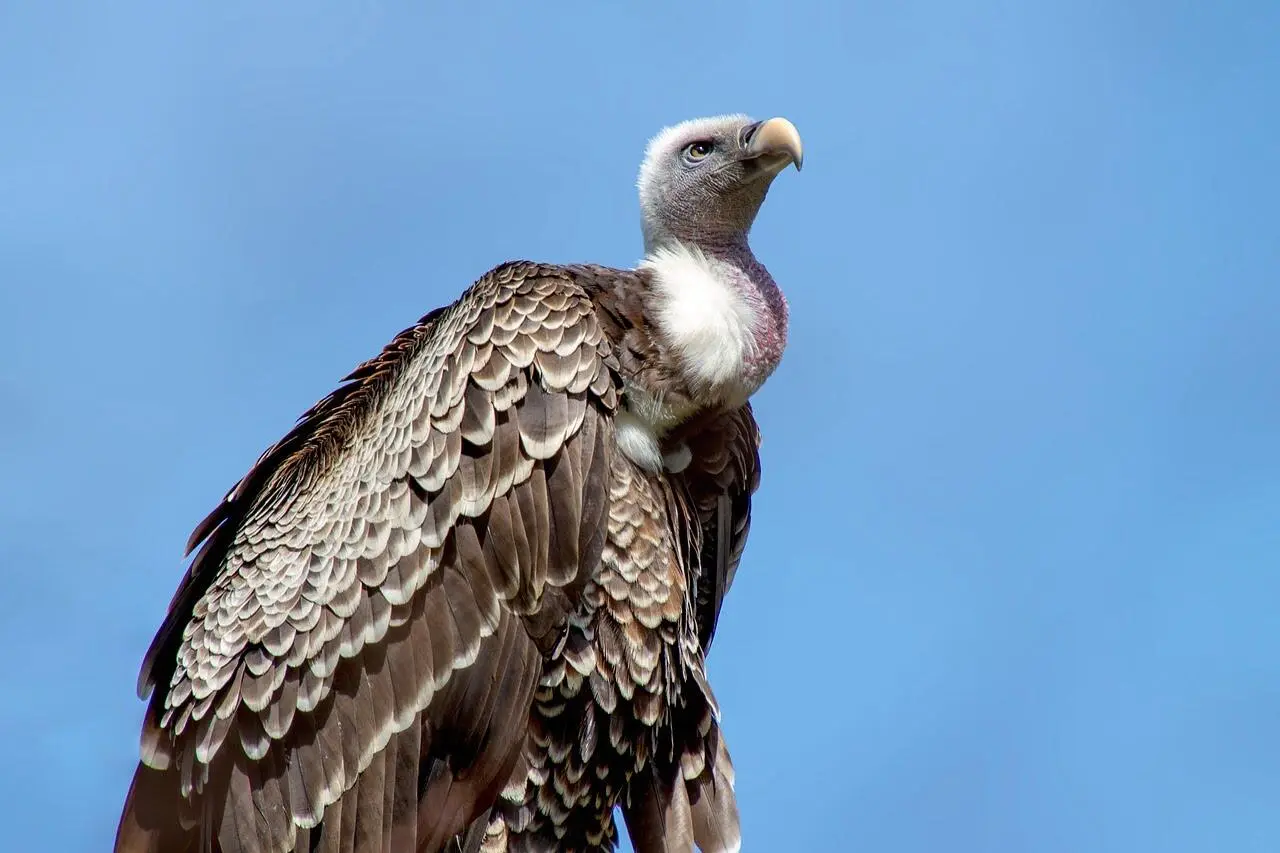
x=1014, y=583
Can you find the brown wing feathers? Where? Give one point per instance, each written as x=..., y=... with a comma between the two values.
x=724, y=474
x=670, y=811
x=352, y=643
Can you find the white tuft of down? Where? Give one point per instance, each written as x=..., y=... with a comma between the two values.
x=639, y=441
x=677, y=459
x=702, y=316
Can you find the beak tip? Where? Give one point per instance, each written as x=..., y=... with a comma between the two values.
x=779, y=136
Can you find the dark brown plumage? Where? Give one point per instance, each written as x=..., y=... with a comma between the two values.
x=451, y=611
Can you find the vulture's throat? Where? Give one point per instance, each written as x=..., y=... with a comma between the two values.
x=720, y=323
x=721, y=317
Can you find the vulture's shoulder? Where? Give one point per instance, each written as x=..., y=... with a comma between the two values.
x=460, y=472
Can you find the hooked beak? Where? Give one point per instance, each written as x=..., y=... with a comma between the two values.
x=776, y=140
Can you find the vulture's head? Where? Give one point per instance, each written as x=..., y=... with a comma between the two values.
x=703, y=180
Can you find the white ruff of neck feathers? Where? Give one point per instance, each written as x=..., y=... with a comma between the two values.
x=705, y=318
x=708, y=323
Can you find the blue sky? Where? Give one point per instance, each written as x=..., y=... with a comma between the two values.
x=1013, y=582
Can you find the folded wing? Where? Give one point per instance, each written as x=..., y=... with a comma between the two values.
x=351, y=657
x=722, y=477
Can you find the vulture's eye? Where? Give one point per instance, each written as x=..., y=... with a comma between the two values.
x=697, y=150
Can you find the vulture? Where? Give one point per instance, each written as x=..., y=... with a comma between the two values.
x=465, y=604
